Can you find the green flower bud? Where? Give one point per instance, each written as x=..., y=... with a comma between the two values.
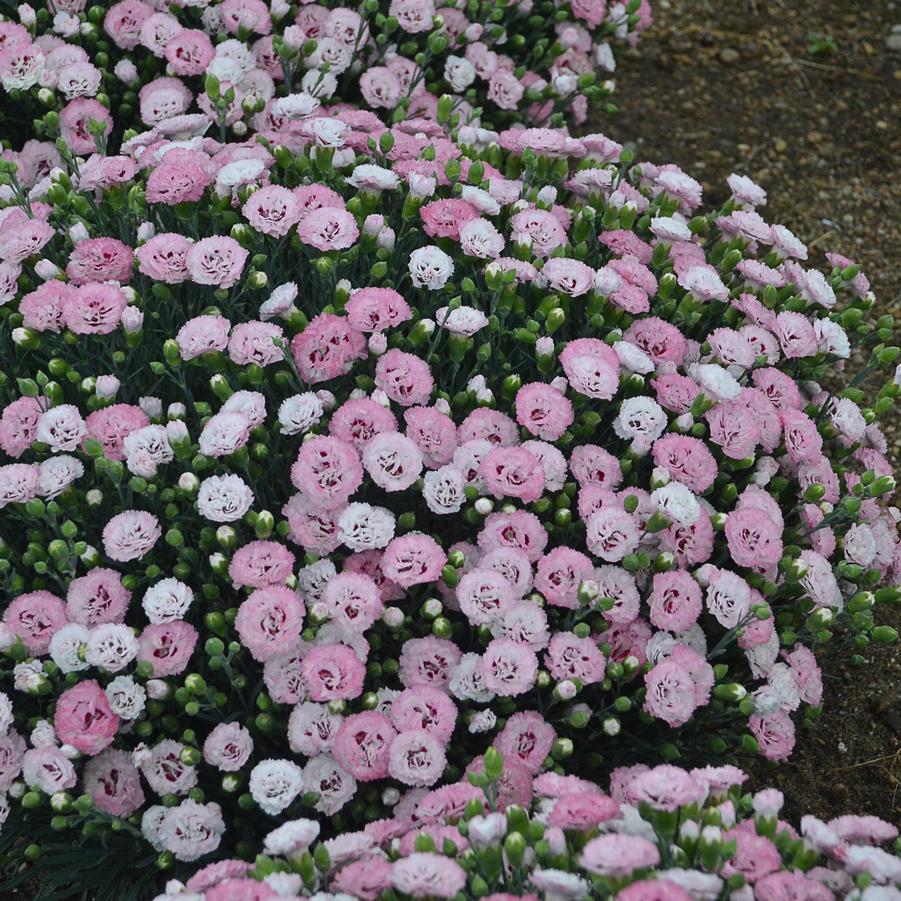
x=515, y=848
x=730, y=692
x=195, y=683
x=885, y=634
x=494, y=764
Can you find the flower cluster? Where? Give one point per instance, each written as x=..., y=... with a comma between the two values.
x=250, y=65
x=661, y=834
x=348, y=450
x=531, y=452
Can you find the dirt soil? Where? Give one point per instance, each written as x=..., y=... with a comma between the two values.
x=804, y=96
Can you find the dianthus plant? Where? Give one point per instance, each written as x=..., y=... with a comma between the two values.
x=327, y=472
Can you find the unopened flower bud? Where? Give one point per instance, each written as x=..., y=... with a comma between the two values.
x=188, y=483
x=385, y=239
x=177, y=432
x=132, y=320
x=227, y=537
x=219, y=563
x=611, y=726
x=484, y=506
x=78, y=232
x=90, y=556
x=820, y=618
x=393, y=617
x=487, y=830
x=157, y=689
x=432, y=608
x=152, y=406
x=25, y=337
x=732, y=691
x=373, y=224
x=106, y=386
x=46, y=270
x=127, y=72
x=378, y=343
x=421, y=186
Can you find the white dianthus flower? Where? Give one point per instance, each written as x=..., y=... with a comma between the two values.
x=552, y=462
x=57, y=474
x=633, y=358
x=240, y=172
x=291, y=837
x=62, y=428
x=167, y=600
x=716, y=381
x=274, y=784
x=483, y=721
x=479, y=238
x=67, y=646
x=860, y=545
x=224, y=498
x=677, y=502
x=300, y=413
x=280, y=301
x=146, y=449
x=297, y=106
x=832, y=338
x=126, y=697
x=312, y=579
x=430, y=267
x=6, y=713
x=847, y=418
x=459, y=73
x=481, y=200
x=111, y=647
x=363, y=527
x=464, y=321
x=640, y=417
x=668, y=228
x=370, y=177
x=223, y=434
x=334, y=785
x=43, y=735
x=466, y=681
x=442, y=490
x=319, y=84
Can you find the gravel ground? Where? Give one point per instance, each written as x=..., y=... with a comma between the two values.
x=804, y=97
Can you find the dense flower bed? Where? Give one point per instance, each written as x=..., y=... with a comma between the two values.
x=347, y=451
x=248, y=65
x=662, y=834
x=557, y=478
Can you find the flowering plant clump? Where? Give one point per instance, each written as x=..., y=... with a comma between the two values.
x=349, y=448
x=329, y=471
x=248, y=65
x=662, y=834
